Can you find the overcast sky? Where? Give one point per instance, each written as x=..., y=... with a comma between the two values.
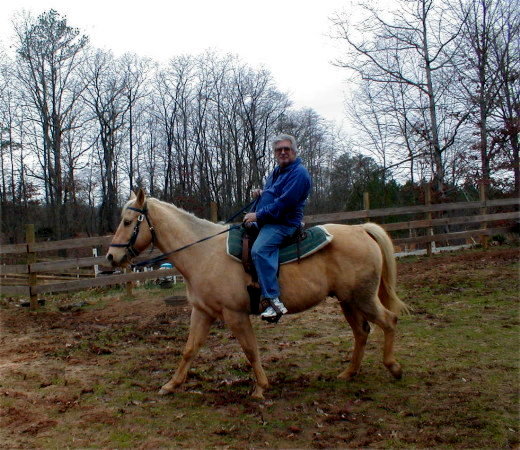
x=289, y=37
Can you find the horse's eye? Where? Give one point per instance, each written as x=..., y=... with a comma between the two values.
x=126, y=222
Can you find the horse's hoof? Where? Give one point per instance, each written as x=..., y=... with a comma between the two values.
x=258, y=394
x=395, y=370
x=346, y=375
x=165, y=391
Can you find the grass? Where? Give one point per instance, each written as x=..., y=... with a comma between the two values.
x=92, y=380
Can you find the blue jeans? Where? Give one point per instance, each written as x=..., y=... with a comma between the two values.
x=265, y=256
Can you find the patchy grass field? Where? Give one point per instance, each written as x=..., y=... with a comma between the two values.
x=89, y=377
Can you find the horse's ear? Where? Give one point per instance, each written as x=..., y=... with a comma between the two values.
x=140, y=197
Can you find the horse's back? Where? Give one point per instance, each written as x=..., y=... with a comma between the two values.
x=353, y=244
x=352, y=259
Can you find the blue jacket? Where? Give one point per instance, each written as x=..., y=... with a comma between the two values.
x=284, y=195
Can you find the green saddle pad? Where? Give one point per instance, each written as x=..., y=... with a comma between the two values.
x=316, y=238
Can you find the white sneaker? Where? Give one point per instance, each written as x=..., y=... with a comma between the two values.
x=270, y=313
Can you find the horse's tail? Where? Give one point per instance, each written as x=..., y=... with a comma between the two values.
x=387, y=293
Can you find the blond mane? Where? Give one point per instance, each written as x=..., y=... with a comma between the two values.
x=193, y=222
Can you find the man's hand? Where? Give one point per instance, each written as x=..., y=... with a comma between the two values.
x=250, y=217
x=257, y=193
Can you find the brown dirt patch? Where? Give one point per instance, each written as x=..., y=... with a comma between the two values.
x=90, y=377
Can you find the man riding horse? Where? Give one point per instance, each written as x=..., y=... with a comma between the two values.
x=278, y=215
x=357, y=268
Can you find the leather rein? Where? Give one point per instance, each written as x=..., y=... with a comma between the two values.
x=143, y=214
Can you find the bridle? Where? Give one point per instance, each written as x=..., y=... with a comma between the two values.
x=131, y=250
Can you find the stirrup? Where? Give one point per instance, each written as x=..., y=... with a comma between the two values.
x=273, y=319
x=279, y=313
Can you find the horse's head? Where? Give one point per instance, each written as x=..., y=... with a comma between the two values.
x=134, y=233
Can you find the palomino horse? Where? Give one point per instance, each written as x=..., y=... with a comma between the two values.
x=357, y=267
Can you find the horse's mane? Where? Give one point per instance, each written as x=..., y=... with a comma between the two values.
x=194, y=222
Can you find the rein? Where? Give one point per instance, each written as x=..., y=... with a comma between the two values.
x=165, y=255
x=133, y=252
x=251, y=204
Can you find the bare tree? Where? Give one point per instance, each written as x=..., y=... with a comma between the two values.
x=174, y=94
x=506, y=51
x=106, y=96
x=261, y=105
x=218, y=115
x=49, y=55
x=137, y=71
x=149, y=140
x=479, y=74
x=11, y=209
x=414, y=47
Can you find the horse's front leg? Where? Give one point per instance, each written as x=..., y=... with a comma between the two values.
x=241, y=327
x=199, y=328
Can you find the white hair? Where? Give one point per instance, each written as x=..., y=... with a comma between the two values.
x=285, y=137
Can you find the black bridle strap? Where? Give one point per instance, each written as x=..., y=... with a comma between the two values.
x=150, y=226
x=165, y=256
x=132, y=251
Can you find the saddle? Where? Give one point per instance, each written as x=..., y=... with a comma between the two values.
x=303, y=243
x=249, y=238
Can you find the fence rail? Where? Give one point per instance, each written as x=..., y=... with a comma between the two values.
x=10, y=282
x=407, y=210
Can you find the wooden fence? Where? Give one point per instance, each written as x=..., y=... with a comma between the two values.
x=35, y=271
x=425, y=225
x=506, y=220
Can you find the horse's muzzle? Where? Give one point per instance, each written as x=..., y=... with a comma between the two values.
x=123, y=261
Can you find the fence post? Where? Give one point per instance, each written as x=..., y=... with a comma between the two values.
x=213, y=211
x=366, y=205
x=30, y=238
x=96, y=266
x=484, y=238
x=429, y=230
x=128, y=286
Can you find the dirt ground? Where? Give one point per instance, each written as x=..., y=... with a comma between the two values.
x=88, y=376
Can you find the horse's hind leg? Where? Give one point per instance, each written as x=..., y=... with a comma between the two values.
x=387, y=320
x=200, y=324
x=240, y=325
x=361, y=329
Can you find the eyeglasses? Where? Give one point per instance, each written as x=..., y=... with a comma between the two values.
x=282, y=149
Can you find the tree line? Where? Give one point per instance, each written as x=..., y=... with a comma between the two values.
x=80, y=127
x=438, y=91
